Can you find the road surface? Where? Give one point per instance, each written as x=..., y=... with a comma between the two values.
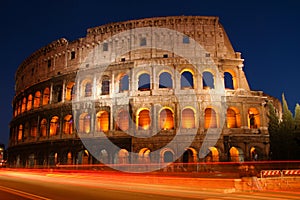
x=22, y=185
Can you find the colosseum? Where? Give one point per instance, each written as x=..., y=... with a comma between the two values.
x=153, y=90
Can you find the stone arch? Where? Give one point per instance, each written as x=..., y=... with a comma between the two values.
x=213, y=155
x=85, y=123
x=26, y=131
x=122, y=157
x=102, y=121
x=187, y=79
x=167, y=155
x=20, y=132
x=189, y=156
x=103, y=156
x=37, y=99
x=122, y=122
x=43, y=127
x=143, y=119
x=144, y=156
x=69, y=91
x=82, y=157
x=236, y=154
x=166, y=119
x=228, y=80
x=165, y=80
x=46, y=96
x=188, y=118
x=210, y=118
x=144, y=82
x=31, y=160
x=208, y=80
x=123, y=82
x=24, y=102
x=233, y=118
x=54, y=126
x=68, y=124
x=253, y=118
x=52, y=158
x=86, y=88
x=256, y=153
x=105, y=85
x=29, y=102
x=33, y=128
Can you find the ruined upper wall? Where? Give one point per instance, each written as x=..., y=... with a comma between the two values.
x=55, y=59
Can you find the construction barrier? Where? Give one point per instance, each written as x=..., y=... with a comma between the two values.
x=291, y=172
x=270, y=173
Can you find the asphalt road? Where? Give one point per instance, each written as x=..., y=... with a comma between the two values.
x=44, y=186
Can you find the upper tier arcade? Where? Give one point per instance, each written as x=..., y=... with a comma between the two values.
x=63, y=57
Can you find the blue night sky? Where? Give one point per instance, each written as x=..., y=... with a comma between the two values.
x=266, y=33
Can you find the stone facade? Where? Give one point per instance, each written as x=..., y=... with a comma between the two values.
x=166, y=76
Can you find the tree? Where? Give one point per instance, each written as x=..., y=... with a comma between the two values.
x=287, y=122
x=273, y=128
x=297, y=117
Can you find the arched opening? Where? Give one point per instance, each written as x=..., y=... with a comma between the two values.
x=52, y=159
x=144, y=120
x=33, y=129
x=166, y=119
x=103, y=156
x=188, y=156
x=29, y=102
x=69, y=91
x=123, y=120
x=20, y=107
x=85, y=157
x=102, y=121
x=212, y=155
x=168, y=156
x=123, y=157
x=43, y=127
x=236, y=154
x=26, y=131
x=256, y=154
x=87, y=88
x=68, y=125
x=187, y=80
x=208, y=80
x=105, y=85
x=23, y=105
x=20, y=132
x=84, y=123
x=210, y=118
x=124, y=83
x=54, y=126
x=228, y=81
x=46, y=96
x=233, y=118
x=58, y=94
x=165, y=80
x=144, y=156
x=253, y=118
x=144, y=82
x=37, y=99
x=188, y=118
x=69, y=158
x=31, y=160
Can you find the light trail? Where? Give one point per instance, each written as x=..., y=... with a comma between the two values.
x=22, y=193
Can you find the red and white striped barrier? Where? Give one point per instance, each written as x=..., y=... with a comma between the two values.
x=291, y=172
x=265, y=173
